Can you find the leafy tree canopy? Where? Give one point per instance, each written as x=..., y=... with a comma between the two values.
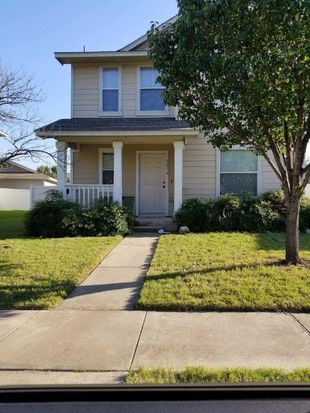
x=239, y=70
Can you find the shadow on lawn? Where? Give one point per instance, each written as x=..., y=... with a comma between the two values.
x=276, y=241
x=211, y=270
x=26, y=296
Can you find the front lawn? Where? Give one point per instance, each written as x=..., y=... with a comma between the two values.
x=203, y=375
x=225, y=272
x=11, y=223
x=40, y=273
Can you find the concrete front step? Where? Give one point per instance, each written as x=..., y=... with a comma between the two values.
x=154, y=224
x=146, y=229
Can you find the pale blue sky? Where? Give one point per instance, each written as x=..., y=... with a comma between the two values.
x=32, y=30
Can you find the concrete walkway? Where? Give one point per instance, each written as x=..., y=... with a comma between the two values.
x=116, y=282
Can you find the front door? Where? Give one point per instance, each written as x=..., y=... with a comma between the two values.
x=153, y=183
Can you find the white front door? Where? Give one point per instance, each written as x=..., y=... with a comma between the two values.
x=153, y=183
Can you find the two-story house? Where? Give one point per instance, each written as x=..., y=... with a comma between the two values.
x=127, y=145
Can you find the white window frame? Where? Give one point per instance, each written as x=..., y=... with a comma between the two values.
x=164, y=112
x=120, y=95
x=218, y=170
x=101, y=152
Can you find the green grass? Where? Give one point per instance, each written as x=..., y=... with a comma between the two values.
x=40, y=273
x=225, y=272
x=11, y=224
x=203, y=375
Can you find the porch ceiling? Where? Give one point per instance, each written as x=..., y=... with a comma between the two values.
x=127, y=140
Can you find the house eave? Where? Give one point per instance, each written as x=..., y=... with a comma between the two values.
x=124, y=133
x=22, y=176
x=95, y=57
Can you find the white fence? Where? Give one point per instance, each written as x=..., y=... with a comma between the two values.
x=14, y=199
x=39, y=193
x=22, y=199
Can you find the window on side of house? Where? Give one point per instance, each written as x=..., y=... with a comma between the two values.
x=107, y=168
x=151, y=98
x=238, y=172
x=110, y=89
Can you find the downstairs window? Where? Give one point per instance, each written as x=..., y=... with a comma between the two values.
x=238, y=172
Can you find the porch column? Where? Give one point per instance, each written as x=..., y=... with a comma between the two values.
x=178, y=174
x=61, y=165
x=118, y=172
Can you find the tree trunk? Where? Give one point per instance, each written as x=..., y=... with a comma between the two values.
x=292, y=230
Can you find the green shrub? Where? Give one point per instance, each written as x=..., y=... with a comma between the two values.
x=106, y=219
x=226, y=209
x=53, y=218
x=56, y=217
x=249, y=213
x=304, y=221
x=198, y=214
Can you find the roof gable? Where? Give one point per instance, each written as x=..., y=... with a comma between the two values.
x=141, y=43
x=16, y=170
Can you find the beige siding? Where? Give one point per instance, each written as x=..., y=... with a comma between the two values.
x=86, y=164
x=269, y=180
x=86, y=90
x=85, y=84
x=129, y=90
x=199, y=169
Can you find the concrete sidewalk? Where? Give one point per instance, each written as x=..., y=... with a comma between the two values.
x=116, y=282
x=112, y=342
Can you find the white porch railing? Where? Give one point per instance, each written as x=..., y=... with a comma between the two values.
x=87, y=195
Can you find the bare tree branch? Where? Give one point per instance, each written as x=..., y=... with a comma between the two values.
x=19, y=98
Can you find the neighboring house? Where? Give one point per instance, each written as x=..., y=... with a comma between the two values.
x=14, y=175
x=127, y=145
x=19, y=185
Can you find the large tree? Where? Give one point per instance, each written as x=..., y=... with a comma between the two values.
x=239, y=71
x=19, y=97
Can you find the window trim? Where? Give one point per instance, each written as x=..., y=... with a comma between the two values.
x=120, y=95
x=218, y=170
x=147, y=112
x=101, y=152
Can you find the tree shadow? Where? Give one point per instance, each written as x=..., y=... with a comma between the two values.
x=129, y=300
x=26, y=296
x=276, y=242
x=210, y=270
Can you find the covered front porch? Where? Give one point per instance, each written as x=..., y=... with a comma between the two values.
x=147, y=177
x=135, y=161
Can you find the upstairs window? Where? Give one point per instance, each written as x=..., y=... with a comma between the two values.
x=151, y=98
x=238, y=172
x=110, y=89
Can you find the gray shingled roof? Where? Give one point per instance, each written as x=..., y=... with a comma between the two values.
x=113, y=124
